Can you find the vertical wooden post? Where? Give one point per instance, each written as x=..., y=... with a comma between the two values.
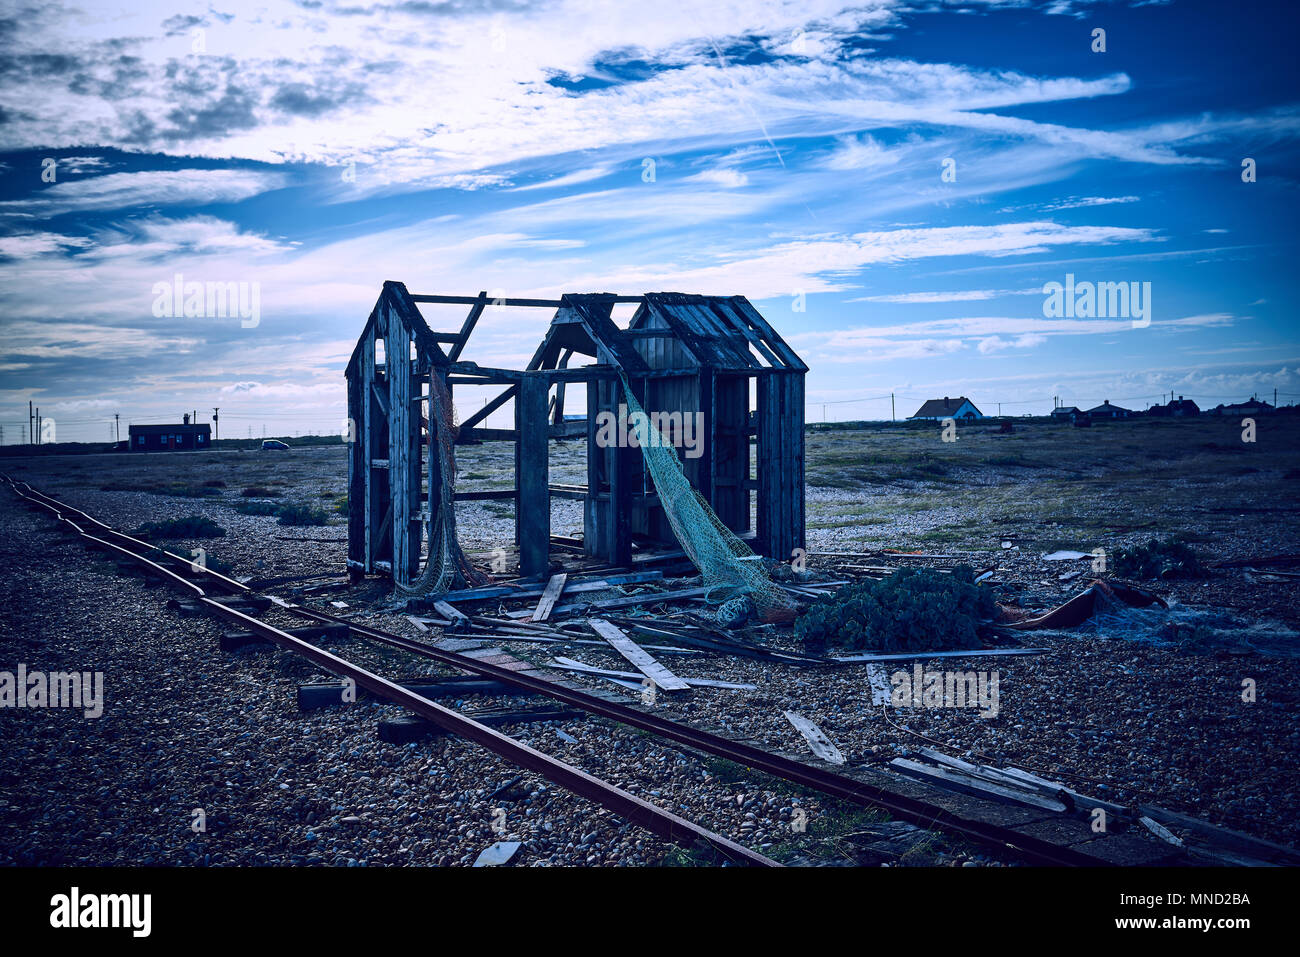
x=626, y=465
x=401, y=415
x=532, y=476
x=593, y=507
x=357, y=465
x=611, y=473
x=780, y=463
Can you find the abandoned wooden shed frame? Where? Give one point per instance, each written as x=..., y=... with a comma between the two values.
x=679, y=353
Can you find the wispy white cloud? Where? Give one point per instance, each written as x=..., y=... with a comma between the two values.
x=961, y=295
x=191, y=187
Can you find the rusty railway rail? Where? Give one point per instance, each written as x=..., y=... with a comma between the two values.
x=631, y=808
x=822, y=779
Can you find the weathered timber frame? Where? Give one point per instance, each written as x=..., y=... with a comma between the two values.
x=680, y=353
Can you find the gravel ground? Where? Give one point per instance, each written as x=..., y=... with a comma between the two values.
x=186, y=728
x=1120, y=719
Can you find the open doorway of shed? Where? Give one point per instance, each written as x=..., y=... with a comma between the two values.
x=486, y=526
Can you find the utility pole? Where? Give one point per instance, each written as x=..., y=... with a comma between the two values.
x=117, y=425
x=30, y=422
x=999, y=410
x=36, y=436
x=215, y=427
x=892, y=416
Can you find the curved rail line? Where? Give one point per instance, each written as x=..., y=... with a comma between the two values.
x=631, y=808
x=823, y=779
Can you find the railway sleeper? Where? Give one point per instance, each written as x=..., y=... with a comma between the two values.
x=235, y=640
x=327, y=694
x=407, y=729
x=248, y=605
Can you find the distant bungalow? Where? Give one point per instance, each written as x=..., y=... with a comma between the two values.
x=1253, y=407
x=1108, y=411
x=936, y=410
x=1180, y=408
x=175, y=437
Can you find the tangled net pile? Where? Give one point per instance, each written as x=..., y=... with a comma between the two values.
x=727, y=564
x=445, y=567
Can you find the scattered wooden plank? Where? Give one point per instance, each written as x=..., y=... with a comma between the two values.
x=629, y=602
x=552, y=593
x=816, y=738
x=498, y=855
x=956, y=781
x=926, y=655
x=1160, y=831
x=644, y=663
x=1056, y=787
x=450, y=613
x=510, y=592
x=570, y=664
x=994, y=775
x=1222, y=837
x=418, y=623
x=545, y=640
x=881, y=688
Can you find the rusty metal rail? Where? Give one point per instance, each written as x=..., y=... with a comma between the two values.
x=631, y=808
x=833, y=783
x=810, y=776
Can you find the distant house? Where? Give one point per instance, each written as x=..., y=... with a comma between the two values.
x=1179, y=408
x=1108, y=411
x=1064, y=412
x=1252, y=407
x=936, y=410
x=170, y=438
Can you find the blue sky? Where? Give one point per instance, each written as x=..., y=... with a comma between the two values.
x=318, y=148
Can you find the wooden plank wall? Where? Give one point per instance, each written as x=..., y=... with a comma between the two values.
x=401, y=411
x=380, y=540
x=780, y=463
x=357, y=465
x=730, y=439
x=532, y=475
x=612, y=474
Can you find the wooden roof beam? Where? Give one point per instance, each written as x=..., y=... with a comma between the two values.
x=470, y=321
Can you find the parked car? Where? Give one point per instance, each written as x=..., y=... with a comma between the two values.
x=274, y=445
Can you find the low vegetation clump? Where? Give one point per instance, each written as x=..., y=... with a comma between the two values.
x=1156, y=559
x=303, y=515
x=260, y=491
x=257, y=508
x=914, y=609
x=181, y=490
x=191, y=526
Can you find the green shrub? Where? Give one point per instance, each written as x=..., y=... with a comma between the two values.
x=914, y=609
x=1157, y=559
x=181, y=490
x=191, y=526
x=260, y=491
x=257, y=508
x=303, y=515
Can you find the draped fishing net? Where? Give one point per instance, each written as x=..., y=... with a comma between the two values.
x=445, y=567
x=730, y=569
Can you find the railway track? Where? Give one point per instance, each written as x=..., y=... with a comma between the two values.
x=862, y=787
